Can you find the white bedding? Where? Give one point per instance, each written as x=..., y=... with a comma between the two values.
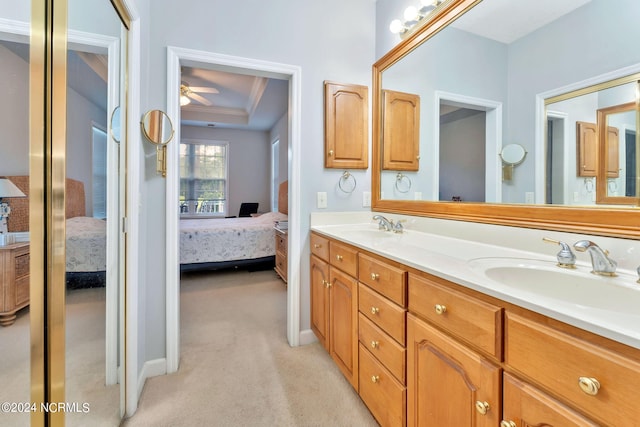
x=86, y=244
x=228, y=239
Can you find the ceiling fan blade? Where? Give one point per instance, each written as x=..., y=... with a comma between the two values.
x=200, y=99
x=201, y=89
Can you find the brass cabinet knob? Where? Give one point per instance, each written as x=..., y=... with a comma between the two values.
x=375, y=378
x=589, y=385
x=375, y=276
x=317, y=245
x=482, y=407
x=326, y=283
x=330, y=153
x=375, y=310
x=375, y=344
x=339, y=257
x=440, y=309
x=417, y=157
x=504, y=423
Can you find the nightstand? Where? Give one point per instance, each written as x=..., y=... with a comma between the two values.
x=282, y=249
x=14, y=281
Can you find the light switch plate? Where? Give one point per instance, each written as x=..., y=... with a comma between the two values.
x=321, y=200
x=529, y=197
x=366, y=199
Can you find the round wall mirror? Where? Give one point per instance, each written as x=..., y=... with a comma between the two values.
x=115, y=124
x=513, y=154
x=157, y=127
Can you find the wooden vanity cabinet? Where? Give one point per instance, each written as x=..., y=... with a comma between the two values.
x=346, y=126
x=334, y=304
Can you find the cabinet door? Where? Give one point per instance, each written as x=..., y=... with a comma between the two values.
x=526, y=406
x=343, y=323
x=401, y=133
x=320, y=300
x=587, y=141
x=447, y=383
x=613, y=155
x=346, y=126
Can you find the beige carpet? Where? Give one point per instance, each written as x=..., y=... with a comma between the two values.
x=85, y=363
x=236, y=367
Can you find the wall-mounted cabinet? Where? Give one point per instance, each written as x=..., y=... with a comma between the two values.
x=346, y=126
x=587, y=146
x=401, y=136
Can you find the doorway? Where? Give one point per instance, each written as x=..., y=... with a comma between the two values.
x=177, y=58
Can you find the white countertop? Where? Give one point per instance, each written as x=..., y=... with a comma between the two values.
x=449, y=258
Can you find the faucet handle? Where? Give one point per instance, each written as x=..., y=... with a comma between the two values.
x=397, y=226
x=566, y=257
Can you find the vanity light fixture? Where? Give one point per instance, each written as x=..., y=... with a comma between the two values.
x=413, y=15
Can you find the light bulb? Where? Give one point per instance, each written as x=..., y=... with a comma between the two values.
x=428, y=5
x=184, y=100
x=397, y=27
x=411, y=14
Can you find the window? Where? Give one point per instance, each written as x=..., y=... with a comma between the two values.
x=99, y=170
x=203, y=177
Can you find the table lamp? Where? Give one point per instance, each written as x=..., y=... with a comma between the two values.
x=7, y=189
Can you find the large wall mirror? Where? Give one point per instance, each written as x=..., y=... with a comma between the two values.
x=492, y=73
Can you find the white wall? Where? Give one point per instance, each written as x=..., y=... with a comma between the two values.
x=249, y=163
x=14, y=114
x=329, y=40
x=281, y=131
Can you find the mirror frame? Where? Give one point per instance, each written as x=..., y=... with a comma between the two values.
x=605, y=221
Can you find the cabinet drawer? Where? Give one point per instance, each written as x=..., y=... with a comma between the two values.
x=281, y=242
x=384, y=278
x=383, y=347
x=385, y=397
x=384, y=313
x=344, y=257
x=473, y=320
x=560, y=362
x=320, y=246
x=22, y=290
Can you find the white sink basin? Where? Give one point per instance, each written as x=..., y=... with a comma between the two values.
x=576, y=287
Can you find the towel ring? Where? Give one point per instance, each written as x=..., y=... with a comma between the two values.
x=402, y=179
x=612, y=185
x=343, y=182
x=588, y=185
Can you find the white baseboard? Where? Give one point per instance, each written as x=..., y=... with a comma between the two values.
x=151, y=368
x=307, y=337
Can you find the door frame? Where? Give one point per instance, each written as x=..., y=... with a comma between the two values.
x=177, y=57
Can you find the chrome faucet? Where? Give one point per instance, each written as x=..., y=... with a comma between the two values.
x=602, y=264
x=566, y=258
x=383, y=223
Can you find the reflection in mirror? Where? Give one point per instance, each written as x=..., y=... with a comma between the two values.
x=157, y=127
x=591, y=146
x=14, y=258
x=511, y=155
x=493, y=61
x=93, y=316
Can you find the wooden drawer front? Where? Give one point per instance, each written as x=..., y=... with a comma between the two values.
x=384, y=278
x=320, y=246
x=473, y=320
x=384, y=313
x=22, y=290
x=344, y=257
x=22, y=263
x=383, y=347
x=557, y=361
x=385, y=397
x=281, y=243
x=527, y=406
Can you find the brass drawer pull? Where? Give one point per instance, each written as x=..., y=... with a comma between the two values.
x=504, y=423
x=317, y=245
x=326, y=283
x=375, y=378
x=589, y=385
x=375, y=310
x=339, y=257
x=441, y=309
x=482, y=407
x=375, y=344
x=375, y=276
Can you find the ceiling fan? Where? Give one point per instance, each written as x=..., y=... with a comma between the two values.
x=188, y=93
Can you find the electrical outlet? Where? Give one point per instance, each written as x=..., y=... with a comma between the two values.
x=321, y=200
x=528, y=197
x=366, y=199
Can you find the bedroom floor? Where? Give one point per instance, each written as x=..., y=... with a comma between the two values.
x=85, y=359
x=236, y=367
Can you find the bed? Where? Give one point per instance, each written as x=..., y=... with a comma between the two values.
x=211, y=244
x=86, y=243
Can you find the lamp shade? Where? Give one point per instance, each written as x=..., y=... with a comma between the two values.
x=9, y=189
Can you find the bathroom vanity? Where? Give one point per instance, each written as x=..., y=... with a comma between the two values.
x=431, y=340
